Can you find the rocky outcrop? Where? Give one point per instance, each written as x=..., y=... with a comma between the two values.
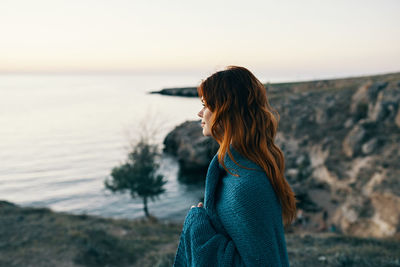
x=341, y=141
x=360, y=139
x=354, y=154
x=193, y=150
x=182, y=91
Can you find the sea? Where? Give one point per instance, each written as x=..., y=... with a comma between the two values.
x=61, y=135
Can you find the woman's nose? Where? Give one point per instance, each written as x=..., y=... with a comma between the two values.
x=200, y=114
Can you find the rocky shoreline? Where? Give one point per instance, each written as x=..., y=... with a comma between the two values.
x=284, y=87
x=41, y=237
x=341, y=141
x=181, y=91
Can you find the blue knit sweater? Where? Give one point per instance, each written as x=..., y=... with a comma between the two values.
x=240, y=224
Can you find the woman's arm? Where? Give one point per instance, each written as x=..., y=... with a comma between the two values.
x=201, y=245
x=251, y=217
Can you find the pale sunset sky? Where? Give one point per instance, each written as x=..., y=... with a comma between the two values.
x=280, y=38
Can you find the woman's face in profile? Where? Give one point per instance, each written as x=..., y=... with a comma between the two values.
x=205, y=115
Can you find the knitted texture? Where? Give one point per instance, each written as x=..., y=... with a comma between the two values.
x=240, y=224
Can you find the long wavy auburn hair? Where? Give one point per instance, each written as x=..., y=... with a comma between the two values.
x=242, y=116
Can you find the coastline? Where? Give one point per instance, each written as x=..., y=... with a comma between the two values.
x=281, y=88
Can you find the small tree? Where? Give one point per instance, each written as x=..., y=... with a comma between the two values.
x=138, y=174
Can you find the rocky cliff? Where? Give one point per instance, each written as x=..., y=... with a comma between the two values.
x=193, y=150
x=341, y=140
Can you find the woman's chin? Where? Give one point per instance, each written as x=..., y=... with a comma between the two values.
x=206, y=133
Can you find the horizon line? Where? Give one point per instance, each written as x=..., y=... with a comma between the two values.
x=145, y=73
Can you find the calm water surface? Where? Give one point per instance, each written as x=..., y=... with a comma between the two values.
x=60, y=135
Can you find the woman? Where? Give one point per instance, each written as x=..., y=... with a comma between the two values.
x=247, y=199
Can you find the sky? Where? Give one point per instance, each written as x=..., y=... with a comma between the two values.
x=277, y=38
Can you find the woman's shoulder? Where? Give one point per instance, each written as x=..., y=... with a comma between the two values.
x=241, y=165
x=247, y=192
x=245, y=180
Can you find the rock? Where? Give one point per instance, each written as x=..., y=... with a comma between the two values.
x=327, y=141
x=352, y=143
x=350, y=212
x=320, y=116
x=305, y=202
x=292, y=173
x=384, y=223
x=359, y=102
x=302, y=160
x=364, y=98
x=364, y=130
x=348, y=123
x=370, y=146
x=325, y=112
x=369, y=214
x=184, y=91
x=375, y=88
x=193, y=150
x=385, y=107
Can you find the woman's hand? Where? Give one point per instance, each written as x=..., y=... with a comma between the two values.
x=200, y=205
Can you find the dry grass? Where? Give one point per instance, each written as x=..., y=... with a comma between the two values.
x=40, y=237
